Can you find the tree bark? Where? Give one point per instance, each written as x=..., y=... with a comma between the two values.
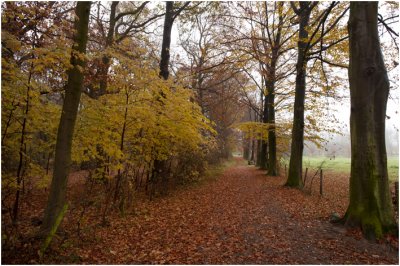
x=253, y=147
x=121, y=146
x=271, y=129
x=264, y=143
x=21, y=150
x=106, y=58
x=259, y=142
x=270, y=103
x=370, y=203
x=296, y=155
x=62, y=161
x=159, y=165
x=275, y=47
x=166, y=42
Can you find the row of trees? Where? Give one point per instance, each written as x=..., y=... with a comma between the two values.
x=273, y=41
x=104, y=98
x=323, y=40
x=132, y=125
x=147, y=117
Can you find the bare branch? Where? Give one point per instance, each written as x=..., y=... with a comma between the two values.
x=133, y=12
x=328, y=46
x=177, y=12
x=389, y=29
x=329, y=62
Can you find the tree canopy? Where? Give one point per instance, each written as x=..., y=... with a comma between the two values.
x=147, y=96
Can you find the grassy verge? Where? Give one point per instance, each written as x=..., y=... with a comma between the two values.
x=342, y=165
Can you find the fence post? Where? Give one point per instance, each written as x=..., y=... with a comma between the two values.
x=320, y=183
x=285, y=171
x=305, y=176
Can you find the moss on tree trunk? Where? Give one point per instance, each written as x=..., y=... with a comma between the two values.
x=370, y=203
x=62, y=161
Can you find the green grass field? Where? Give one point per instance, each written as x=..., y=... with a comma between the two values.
x=342, y=165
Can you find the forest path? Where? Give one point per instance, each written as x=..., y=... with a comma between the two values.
x=243, y=217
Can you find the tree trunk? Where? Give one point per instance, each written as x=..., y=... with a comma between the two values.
x=247, y=148
x=370, y=203
x=263, y=154
x=272, y=160
x=21, y=150
x=296, y=155
x=264, y=143
x=121, y=146
x=159, y=165
x=62, y=161
x=253, y=147
x=166, y=42
x=106, y=58
x=259, y=142
x=271, y=129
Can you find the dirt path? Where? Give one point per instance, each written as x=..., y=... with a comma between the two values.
x=242, y=218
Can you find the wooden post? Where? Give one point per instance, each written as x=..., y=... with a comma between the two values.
x=320, y=183
x=305, y=177
x=396, y=191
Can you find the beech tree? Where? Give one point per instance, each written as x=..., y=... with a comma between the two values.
x=307, y=39
x=296, y=154
x=370, y=203
x=170, y=16
x=56, y=201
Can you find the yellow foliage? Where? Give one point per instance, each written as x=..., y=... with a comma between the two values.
x=160, y=121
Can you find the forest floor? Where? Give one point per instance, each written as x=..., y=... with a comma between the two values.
x=241, y=217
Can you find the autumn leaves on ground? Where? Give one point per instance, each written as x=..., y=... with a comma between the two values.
x=116, y=115
x=240, y=216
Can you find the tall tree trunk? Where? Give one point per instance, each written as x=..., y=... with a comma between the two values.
x=259, y=142
x=159, y=165
x=296, y=155
x=370, y=203
x=246, y=150
x=271, y=129
x=253, y=147
x=106, y=58
x=272, y=160
x=253, y=141
x=271, y=115
x=62, y=161
x=247, y=141
x=166, y=42
x=21, y=150
x=121, y=145
x=199, y=85
x=264, y=143
x=22, y=147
